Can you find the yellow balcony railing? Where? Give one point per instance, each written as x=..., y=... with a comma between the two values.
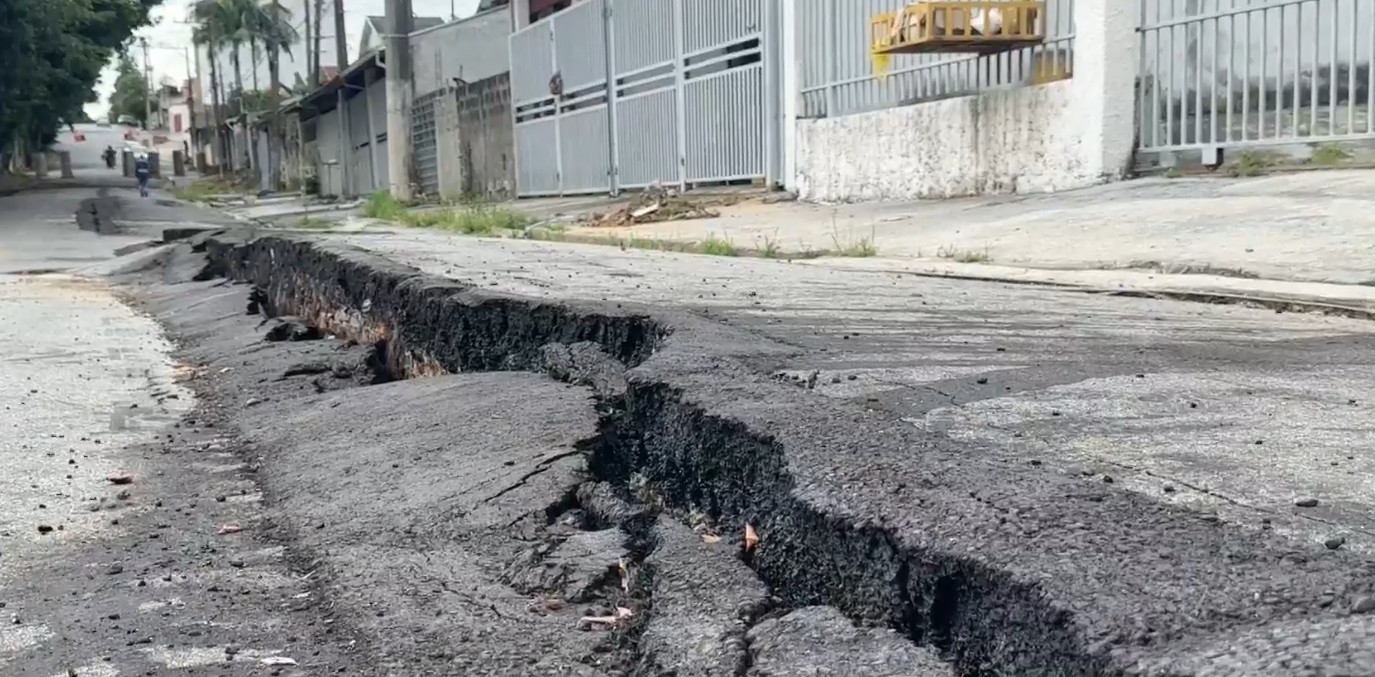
x=971, y=26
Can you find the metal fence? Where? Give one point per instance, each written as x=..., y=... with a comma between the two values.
x=1228, y=73
x=614, y=94
x=837, y=73
x=425, y=141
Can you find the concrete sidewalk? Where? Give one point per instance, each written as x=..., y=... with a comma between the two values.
x=1311, y=227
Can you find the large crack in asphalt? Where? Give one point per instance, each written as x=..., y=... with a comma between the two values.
x=1002, y=571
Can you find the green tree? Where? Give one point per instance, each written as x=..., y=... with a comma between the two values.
x=130, y=96
x=51, y=55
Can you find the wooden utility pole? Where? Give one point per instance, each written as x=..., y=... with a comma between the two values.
x=315, y=48
x=341, y=40
x=192, y=82
x=311, y=56
x=400, y=23
x=147, y=86
x=341, y=55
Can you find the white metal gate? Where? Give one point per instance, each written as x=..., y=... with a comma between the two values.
x=614, y=94
x=1217, y=74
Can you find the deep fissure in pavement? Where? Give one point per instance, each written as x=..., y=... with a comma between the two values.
x=980, y=618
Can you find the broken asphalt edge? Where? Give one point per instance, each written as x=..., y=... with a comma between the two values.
x=998, y=565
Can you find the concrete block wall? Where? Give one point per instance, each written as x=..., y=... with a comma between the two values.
x=486, y=138
x=1057, y=136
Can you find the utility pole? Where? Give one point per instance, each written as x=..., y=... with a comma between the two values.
x=191, y=85
x=319, y=28
x=341, y=41
x=399, y=26
x=341, y=55
x=310, y=56
x=147, y=85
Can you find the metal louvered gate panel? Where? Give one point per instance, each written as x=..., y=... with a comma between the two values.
x=723, y=90
x=615, y=94
x=560, y=102
x=425, y=141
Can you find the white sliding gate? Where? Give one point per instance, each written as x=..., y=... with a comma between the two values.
x=614, y=94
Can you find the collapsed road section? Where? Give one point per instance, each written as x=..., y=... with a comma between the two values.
x=732, y=491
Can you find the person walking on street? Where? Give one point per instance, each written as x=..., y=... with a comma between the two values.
x=142, y=170
x=109, y=156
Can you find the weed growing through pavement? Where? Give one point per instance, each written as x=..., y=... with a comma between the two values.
x=862, y=248
x=1330, y=154
x=963, y=255
x=1249, y=163
x=767, y=245
x=718, y=246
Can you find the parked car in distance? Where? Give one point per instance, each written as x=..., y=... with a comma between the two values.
x=128, y=120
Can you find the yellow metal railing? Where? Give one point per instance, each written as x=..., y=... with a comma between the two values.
x=977, y=26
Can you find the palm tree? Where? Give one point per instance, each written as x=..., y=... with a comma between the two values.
x=278, y=35
x=210, y=31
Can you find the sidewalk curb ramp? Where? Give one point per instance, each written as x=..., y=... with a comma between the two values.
x=1005, y=568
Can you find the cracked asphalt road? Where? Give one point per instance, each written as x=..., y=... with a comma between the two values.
x=1244, y=416
x=1232, y=411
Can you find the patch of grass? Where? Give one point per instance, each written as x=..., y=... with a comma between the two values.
x=381, y=205
x=1174, y=173
x=717, y=246
x=204, y=190
x=1249, y=163
x=313, y=222
x=1330, y=154
x=713, y=245
x=963, y=255
x=471, y=219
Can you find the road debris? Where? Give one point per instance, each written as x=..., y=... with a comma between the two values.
x=751, y=537
x=618, y=618
x=278, y=660
x=655, y=204
x=121, y=479
x=230, y=529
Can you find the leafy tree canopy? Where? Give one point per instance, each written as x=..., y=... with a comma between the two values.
x=51, y=55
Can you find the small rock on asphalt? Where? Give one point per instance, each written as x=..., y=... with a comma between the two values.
x=1306, y=503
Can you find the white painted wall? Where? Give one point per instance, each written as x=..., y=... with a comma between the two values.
x=1063, y=135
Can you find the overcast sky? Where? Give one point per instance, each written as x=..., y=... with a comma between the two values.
x=169, y=35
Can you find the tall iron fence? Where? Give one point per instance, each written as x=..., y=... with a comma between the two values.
x=613, y=94
x=1224, y=73
x=837, y=75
